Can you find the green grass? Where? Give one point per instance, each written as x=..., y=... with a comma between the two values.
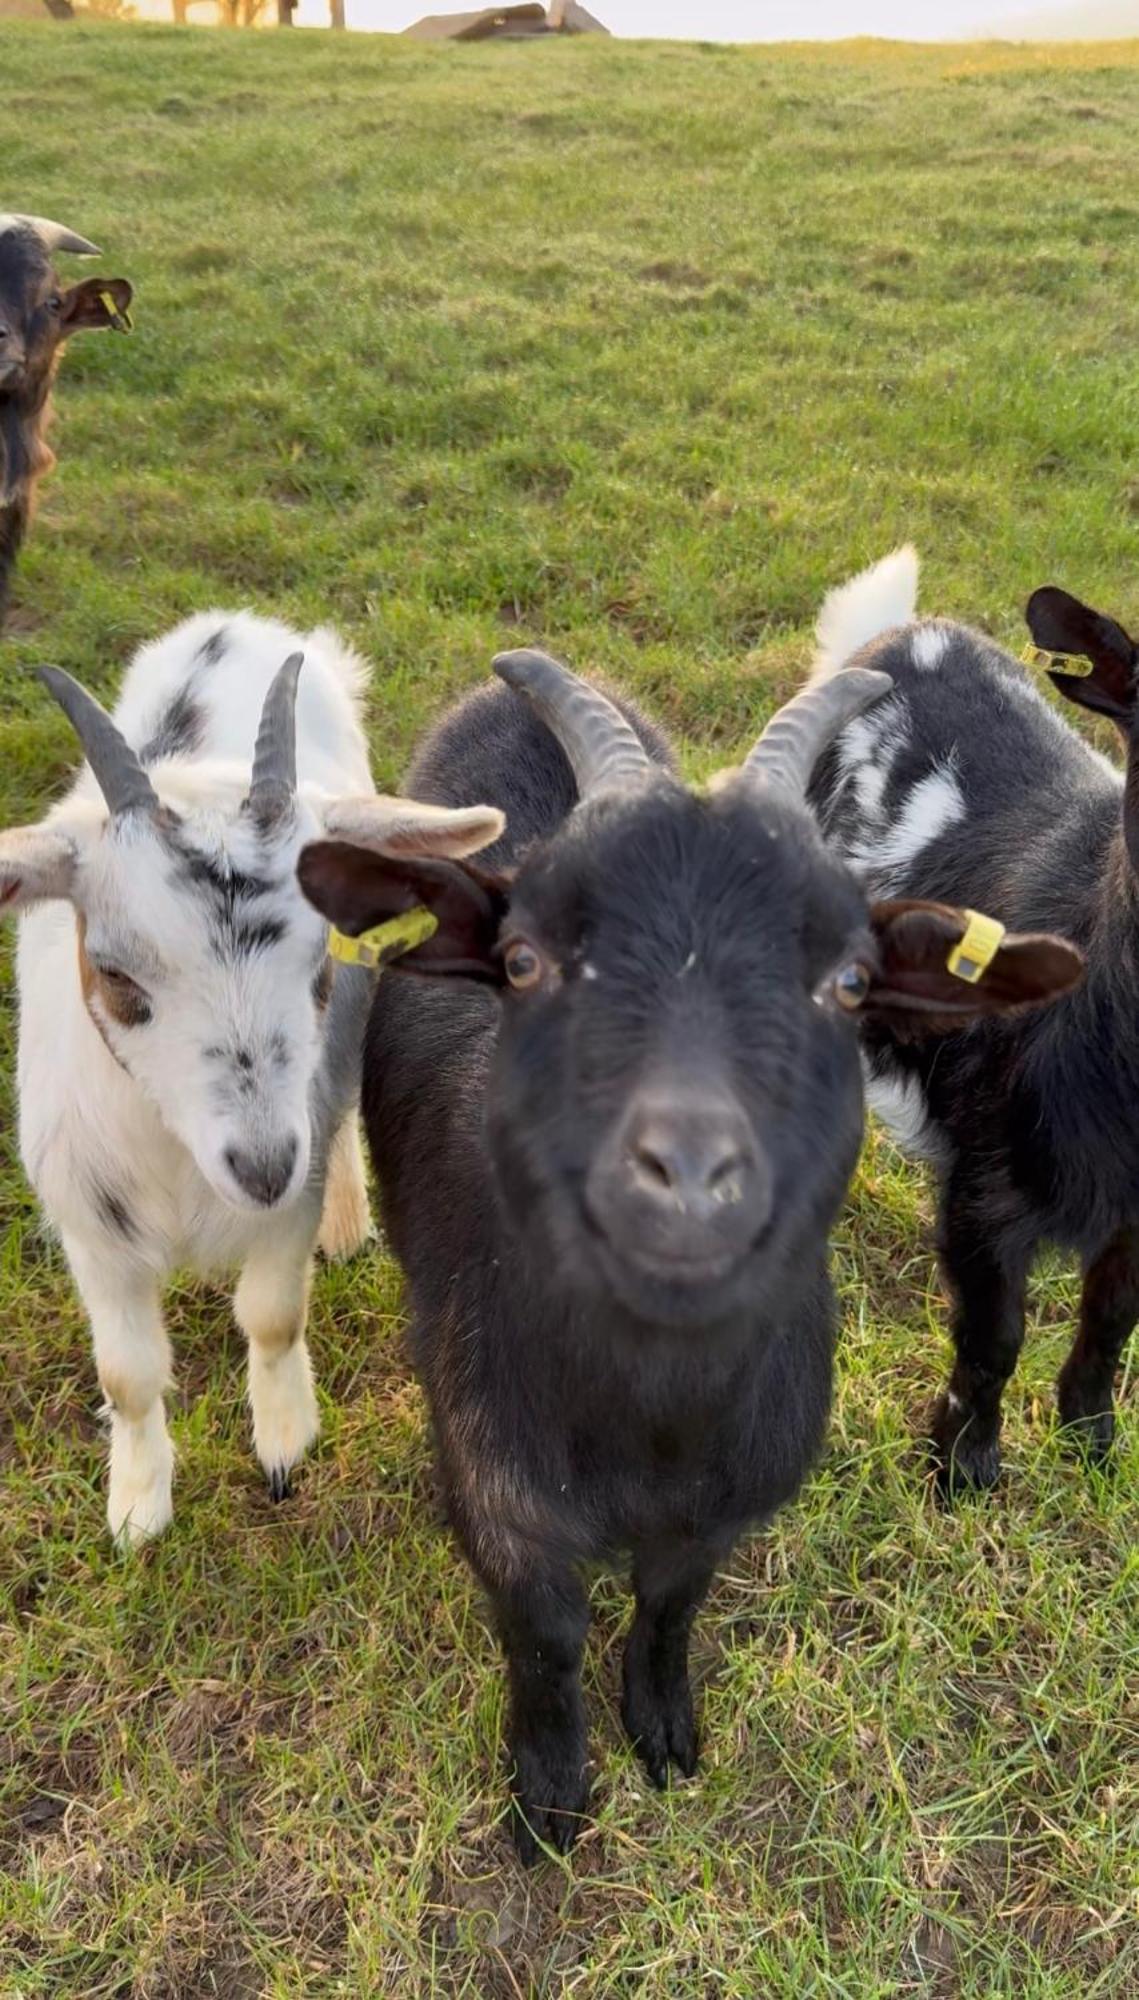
x=636, y=350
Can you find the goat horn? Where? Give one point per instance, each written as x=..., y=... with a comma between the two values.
x=120, y=777
x=605, y=752
x=799, y=732
x=274, y=780
x=53, y=235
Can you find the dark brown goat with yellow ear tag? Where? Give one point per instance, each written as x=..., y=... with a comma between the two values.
x=37, y=315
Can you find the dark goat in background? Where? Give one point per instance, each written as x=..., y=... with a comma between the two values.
x=967, y=785
x=36, y=316
x=609, y=1160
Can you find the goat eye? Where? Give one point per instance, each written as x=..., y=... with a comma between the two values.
x=850, y=986
x=524, y=967
x=55, y=303
x=123, y=997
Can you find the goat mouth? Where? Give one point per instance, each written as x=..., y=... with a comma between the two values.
x=683, y=1270
x=694, y=1284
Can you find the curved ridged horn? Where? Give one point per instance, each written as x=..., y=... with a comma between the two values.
x=605, y=752
x=120, y=777
x=274, y=780
x=799, y=732
x=52, y=235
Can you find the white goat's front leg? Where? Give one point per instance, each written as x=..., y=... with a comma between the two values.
x=346, y=1222
x=271, y=1306
x=132, y=1357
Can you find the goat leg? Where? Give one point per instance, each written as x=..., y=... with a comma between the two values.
x=132, y=1357
x=986, y=1282
x=271, y=1308
x=542, y=1622
x=14, y=518
x=1109, y=1309
x=670, y=1580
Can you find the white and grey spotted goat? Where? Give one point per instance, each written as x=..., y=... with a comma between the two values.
x=188, y=1054
x=966, y=786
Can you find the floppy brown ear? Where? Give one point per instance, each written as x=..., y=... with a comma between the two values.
x=1059, y=623
x=96, y=302
x=914, y=993
x=356, y=889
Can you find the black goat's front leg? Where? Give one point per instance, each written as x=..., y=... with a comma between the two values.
x=13, y=528
x=1109, y=1309
x=986, y=1285
x=542, y=1623
x=671, y=1580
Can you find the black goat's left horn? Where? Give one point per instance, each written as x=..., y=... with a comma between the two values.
x=273, y=784
x=120, y=776
x=799, y=732
x=605, y=752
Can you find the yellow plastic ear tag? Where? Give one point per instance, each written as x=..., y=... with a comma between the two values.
x=384, y=941
x=971, y=958
x=120, y=320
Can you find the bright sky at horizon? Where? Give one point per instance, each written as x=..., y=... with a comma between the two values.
x=725, y=20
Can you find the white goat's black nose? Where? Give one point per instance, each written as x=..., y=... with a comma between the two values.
x=265, y=1174
x=693, y=1161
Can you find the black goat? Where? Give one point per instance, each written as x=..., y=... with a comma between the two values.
x=36, y=316
x=610, y=1167
x=967, y=785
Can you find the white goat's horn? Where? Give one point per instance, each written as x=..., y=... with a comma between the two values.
x=274, y=779
x=52, y=235
x=121, y=778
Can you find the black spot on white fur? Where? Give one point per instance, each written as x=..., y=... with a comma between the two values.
x=211, y=651
x=113, y=1211
x=179, y=730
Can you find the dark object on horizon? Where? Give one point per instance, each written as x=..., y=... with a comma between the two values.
x=34, y=10
x=565, y=17
x=37, y=315
x=610, y=1158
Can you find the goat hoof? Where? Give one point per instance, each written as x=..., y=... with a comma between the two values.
x=280, y=1484
x=967, y=1460
x=550, y=1796
x=661, y=1726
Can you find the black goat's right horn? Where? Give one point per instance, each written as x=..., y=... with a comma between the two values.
x=799, y=732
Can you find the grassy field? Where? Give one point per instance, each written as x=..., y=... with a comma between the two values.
x=636, y=350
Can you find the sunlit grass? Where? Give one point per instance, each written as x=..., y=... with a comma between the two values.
x=636, y=350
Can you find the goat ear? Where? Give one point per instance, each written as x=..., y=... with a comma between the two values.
x=96, y=302
x=355, y=889
x=914, y=993
x=407, y=827
x=37, y=864
x=1059, y=623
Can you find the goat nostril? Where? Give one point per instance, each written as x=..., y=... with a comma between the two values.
x=651, y=1167
x=699, y=1166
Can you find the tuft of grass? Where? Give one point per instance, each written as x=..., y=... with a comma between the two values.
x=634, y=351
